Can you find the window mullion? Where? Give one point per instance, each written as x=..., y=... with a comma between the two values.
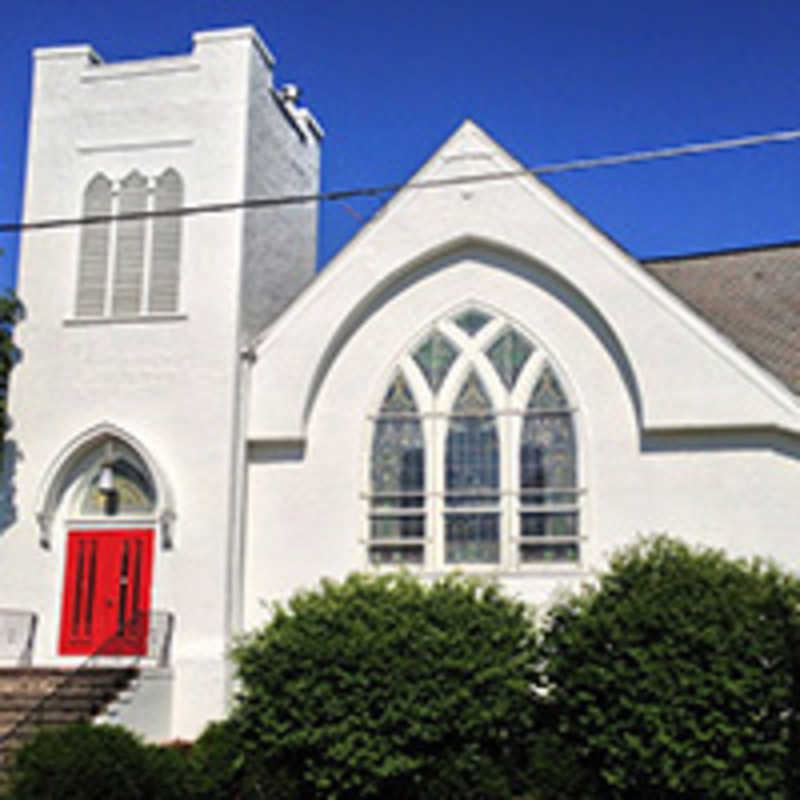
x=147, y=248
x=113, y=244
x=435, y=520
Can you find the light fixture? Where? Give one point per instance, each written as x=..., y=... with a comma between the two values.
x=106, y=483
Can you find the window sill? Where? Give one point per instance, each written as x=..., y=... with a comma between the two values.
x=554, y=570
x=133, y=318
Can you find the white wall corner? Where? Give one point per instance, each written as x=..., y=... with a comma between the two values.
x=224, y=35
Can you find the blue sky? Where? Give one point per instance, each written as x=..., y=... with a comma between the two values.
x=550, y=81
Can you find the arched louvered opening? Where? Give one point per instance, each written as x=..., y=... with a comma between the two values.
x=166, y=244
x=94, y=248
x=472, y=478
x=129, y=270
x=548, y=486
x=145, y=277
x=397, y=523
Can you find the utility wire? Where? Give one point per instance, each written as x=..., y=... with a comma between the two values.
x=635, y=157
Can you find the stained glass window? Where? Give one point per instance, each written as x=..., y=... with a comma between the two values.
x=435, y=356
x=435, y=472
x=472, y=477
x=508, y=355
x=398, y=479
x=471, y=320
x=548, y=475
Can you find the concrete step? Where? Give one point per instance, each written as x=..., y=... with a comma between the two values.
x=53, y=697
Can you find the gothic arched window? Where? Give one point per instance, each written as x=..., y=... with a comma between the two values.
x=478, y=465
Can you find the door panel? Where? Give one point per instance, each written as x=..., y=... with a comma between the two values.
x=106, y=597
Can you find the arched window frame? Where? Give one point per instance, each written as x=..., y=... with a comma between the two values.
x=509, y=411
x=63, y=484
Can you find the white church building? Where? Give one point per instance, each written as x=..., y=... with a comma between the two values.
x=481, y=380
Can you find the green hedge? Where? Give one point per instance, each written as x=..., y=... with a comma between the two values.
x=96, y=762
x=676, y=676
x=387, y=687
x=673, y=677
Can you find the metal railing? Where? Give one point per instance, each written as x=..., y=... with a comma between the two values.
x=17, y=635
x=122, y=650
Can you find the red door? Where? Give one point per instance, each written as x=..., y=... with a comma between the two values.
x=106, y=600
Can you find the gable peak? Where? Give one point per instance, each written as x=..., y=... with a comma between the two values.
x=469, y=142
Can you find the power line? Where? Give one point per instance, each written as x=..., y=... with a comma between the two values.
x=635, y=157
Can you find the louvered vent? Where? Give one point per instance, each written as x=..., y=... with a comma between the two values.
x=166, y=252
x=93, y=264
x=129, y=272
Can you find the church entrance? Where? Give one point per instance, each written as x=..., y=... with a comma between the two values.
x=106, y=596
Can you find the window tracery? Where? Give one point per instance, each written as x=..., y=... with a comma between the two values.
x=434, y=357
x=480, y=468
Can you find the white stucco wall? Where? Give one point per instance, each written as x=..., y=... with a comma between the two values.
x=307, y=515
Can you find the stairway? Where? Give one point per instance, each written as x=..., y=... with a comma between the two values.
x=60, y=696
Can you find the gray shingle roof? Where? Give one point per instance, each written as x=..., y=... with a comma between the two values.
x=751, y=296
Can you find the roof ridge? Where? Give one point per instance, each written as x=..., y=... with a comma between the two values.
x=759, y=248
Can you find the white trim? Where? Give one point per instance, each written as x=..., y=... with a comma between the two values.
x=150, y=316
x=113, y=147
x=168, y=65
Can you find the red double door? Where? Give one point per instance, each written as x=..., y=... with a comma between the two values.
x=106, y=599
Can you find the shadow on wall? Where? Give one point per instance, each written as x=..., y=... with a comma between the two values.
x=8, y=486
x=707, y=439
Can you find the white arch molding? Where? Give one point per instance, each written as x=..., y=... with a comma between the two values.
x=48, y=495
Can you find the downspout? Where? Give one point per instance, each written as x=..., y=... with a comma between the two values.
x=237, y=517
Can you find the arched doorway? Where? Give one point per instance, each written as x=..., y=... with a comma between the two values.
x=106, y=591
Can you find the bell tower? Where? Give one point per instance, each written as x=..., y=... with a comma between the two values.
x=136, y=321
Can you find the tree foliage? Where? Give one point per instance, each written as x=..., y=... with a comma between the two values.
x=676, y=676
x=10, y=313
x=387, y=687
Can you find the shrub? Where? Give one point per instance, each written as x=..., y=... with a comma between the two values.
x=218, y=768
x=385, y=687
x=95, y=762
x=675, y=676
